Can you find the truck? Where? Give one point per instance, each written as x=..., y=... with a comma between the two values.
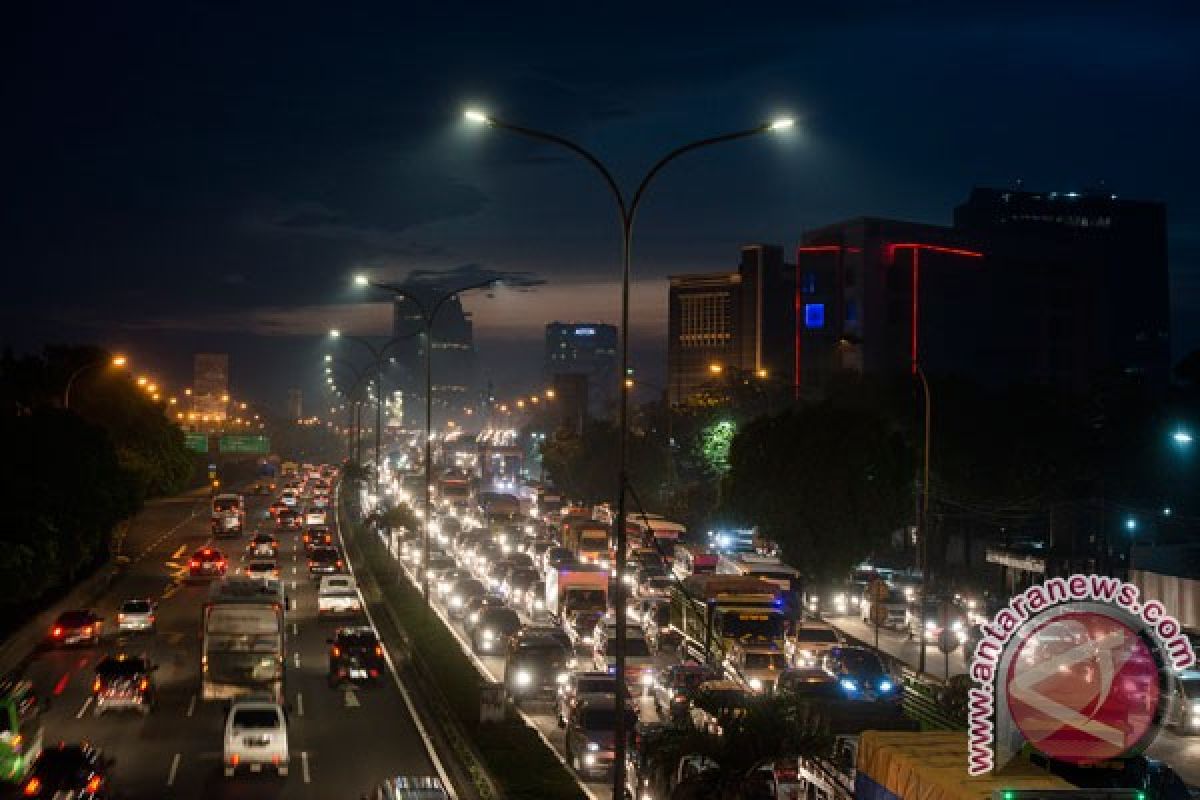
x=588, y=540
x=228, y=515
x=21, y=730
x=931, y=765
x=338, y=594
x=711, y=612
x=454, y=489
x=576, y=587
x=651, y=530
x=242, y=647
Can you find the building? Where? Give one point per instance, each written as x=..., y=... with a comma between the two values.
x=589, y=349
x=730, y=321
x=454, y=372
x=571, y=401
x=295, y=404
x=1061, y=289
x=210, y=386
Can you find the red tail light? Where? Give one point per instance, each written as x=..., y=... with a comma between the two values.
x=94, y=784
x=195, y=563
x=339, y=563
x=56, y=632
x=33, y=787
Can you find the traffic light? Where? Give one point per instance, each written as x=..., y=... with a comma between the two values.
x=1073, y=794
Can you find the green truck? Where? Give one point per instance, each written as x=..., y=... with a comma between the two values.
x=20, y=729
x=711, y=612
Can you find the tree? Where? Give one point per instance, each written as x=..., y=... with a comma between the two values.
x=829, y=482
x=585, y=467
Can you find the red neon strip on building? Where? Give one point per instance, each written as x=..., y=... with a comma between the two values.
x=916, y=248
x=891, y=249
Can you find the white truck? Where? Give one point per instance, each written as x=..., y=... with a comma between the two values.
x=243, y=639
x=576, y=587
x=338, y=594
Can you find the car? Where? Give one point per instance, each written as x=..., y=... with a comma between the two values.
x=289, y=520
x=78, y=771
x=474, y=610
x=461, y=594
x=263, y=545
x=446, y=580
x=808, y=644
x=255, y=736
x=640, y=664
x=438, y=564
x=815, y=683
x=862, y=675
x=714, y=702
x=137, y=614
x=517, y=582
x=535, y=666
x=591, y=734
x=355, y=656
x=207, y=562
x=535, y=599
x=275, y=507
x=491, y=632
x=290, y=497
x=79, y=626
x=757, y=665
x=315, y=516
x=261, y=568
x=674, y=686
x=581, y=625
x=579, y=684
x=656, y=586
x=410, y=787
x=123, y=682
x=318, y=536
x=325, y=560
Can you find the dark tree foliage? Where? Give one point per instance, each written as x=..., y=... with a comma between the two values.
x=585, y=467
x=829, y=482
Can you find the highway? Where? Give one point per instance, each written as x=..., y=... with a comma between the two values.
x=342, y=742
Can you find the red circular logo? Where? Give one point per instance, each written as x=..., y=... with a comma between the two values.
x=1083, y=687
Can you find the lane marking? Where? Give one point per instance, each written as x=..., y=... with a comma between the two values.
x=304, y=766
x=191, y=706
x=174, y=769
x=295, y=629
x=178, y=553
x=351, y=699
x=83, y=709
x=293, y=570
x=293, y=586
x=299, y=704
x=296, y=659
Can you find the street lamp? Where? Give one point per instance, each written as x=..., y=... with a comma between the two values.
x=627, y=213
x=1182, y=437
x=715, y=369
x=115, y=361
x=428, y=316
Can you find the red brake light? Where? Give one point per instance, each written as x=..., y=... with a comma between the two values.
x=195, y=563
x=33, y=787
x=57, y=631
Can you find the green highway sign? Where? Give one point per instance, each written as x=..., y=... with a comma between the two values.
x=197, y=442
x=235, y=443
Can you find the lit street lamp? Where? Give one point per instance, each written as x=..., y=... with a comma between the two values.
x=627, y=213
x=115, y=361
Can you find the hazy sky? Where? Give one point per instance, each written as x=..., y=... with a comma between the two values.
x=185, y=176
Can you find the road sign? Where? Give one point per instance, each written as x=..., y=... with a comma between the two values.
x=238, y=443
x=196, y=442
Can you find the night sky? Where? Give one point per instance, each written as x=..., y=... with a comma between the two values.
x=186, y=177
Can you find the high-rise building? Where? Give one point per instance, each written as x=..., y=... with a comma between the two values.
x=454, y=378
x=210, y=386
x=295, y=404
x=585, y=348
x=741, y=321
x=1061, y=289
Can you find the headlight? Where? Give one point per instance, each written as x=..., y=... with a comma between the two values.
x=849, y=685
x=562, y=677
x=886, y=686
x=856, y=601
x=1196, y=708
x=909, y=593
x=456, y=601
x=488, y=634
x=524, y=678
x=647, y=678
x=961, y=636
x=956, y=625
x=474, y=617
x=589, y=759
x=593, y=747
x=539, y=604
x=587, y=639
x=756, y=684
x=930, y=625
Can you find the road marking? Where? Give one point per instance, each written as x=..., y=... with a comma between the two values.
x=293, y=570
x=304, y=766
x=179, y=552
x=351, y=699
x=299, y=704
x=295, y=629
x=293, y=586
x=61, y=686
x=83, y=709
x=191, y=706
x=296, y=659
x=174, y=769
x=170, y=591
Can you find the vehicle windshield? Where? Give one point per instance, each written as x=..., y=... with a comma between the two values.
x=861, y=661
x=587, y=598
x=816, y=635
x=72, y=618
x=605, y=719
x=365, y=639
x=256, y=718
x=661, y=614
x=136, y=607
x=324, y=554
x=752, y=625
x=766, y=661
x=225, y=505
x=1191, y=687
x=503, y=618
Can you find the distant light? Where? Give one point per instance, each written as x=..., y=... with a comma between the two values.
x=715, y=369
x=1166, y=512
x=1182, y=437
x=118, y=361
x=328, y=357
x=335, y=333
x=781, y=124
x=762, y=373
x=475, y=115
x=361, y=280
x=1131, y=524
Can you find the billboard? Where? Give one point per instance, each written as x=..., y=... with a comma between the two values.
x=1081, y=668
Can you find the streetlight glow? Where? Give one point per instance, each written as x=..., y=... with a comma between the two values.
x=142, y=380
x=1182, y=437
x=119, y=361
x=550, y=394
x=335, y=333
x=361, y=280
x=715, y=369
x=477, y=116
x=781, y=124
x=1130, y=524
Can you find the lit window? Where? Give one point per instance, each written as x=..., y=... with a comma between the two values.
x=808, y=283
x=851, y=312
x=814, y=315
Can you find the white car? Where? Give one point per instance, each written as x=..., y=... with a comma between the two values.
x=136, y=615
x=314, y=516
x=261, y=568
x=255, y=736
x=289, y=498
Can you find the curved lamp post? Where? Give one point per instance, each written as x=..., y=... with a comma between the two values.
x=115, y=361
x=627, y=213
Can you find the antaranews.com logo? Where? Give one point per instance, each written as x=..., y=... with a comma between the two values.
x=1079, y=667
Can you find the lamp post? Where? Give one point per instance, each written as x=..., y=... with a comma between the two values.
x=115, y=361
x=627, y=213
x=922, y=516
x=356, y=403
x=428, y=315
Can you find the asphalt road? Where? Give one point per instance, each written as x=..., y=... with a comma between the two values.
x=342, y=742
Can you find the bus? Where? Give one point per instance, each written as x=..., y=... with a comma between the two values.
x=242, y=648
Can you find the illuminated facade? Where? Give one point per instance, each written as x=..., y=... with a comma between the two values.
x=589, y=349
